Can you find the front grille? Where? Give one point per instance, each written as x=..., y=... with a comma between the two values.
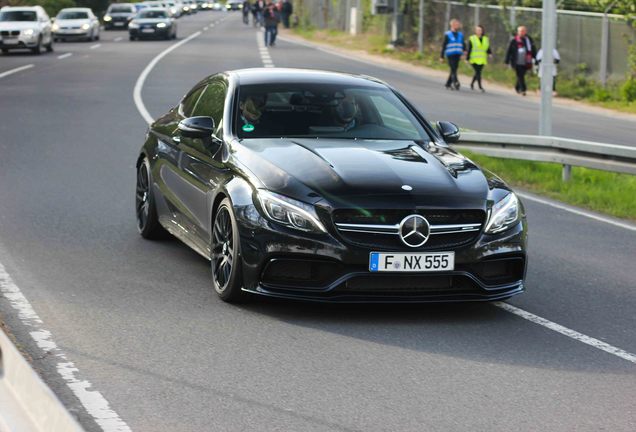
x=378, y=229
x=10, y=32
x=408, y=285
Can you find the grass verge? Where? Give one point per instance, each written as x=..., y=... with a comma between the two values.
x=605, y=192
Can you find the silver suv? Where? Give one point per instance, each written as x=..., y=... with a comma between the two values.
x=25, y=27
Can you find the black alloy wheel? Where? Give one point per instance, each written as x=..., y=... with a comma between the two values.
x=225, y=256
x=146, y=212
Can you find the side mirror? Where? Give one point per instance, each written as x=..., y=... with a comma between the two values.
x=197, y=127
x=449, y=131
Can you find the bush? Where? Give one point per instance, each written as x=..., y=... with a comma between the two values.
x=628, y=90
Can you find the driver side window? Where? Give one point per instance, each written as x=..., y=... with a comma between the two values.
x=212, y=103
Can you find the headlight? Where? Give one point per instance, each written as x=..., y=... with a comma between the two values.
x=503, y=215
x=86, y=26
x=55, y=28
x=107, y=18
x=133, y=25
x=28, y=32
x=289, y=212
x=185, y=8
x=161, y=25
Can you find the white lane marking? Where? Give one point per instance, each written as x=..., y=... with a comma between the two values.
x=141, y=107
x=117, y=39
x=18, y=69
x=598, y=344
x=63, y=56
x=578, y=212
x=96, y=405
x=95, y=46
x=205, y=28
x=263, y=51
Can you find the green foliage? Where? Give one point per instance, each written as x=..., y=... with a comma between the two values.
x=628, y=90
x=52, y=7
x=597, y=190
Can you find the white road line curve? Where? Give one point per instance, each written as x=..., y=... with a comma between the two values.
x=16, y=70
x=579, y=212
x=92, y=400
x=573, y=334
x=139, y=103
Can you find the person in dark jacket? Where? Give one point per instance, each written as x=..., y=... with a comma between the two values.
x=271, y=19
x=520, y=56
x=246, y=12
x=453, y=48
x=286, y=12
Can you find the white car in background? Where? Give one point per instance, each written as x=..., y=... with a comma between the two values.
x=76, y=23
x=25, y=27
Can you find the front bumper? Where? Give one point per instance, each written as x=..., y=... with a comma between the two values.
x=280, y=262
x=63, y=34
x=20, y=42
x=157, y=33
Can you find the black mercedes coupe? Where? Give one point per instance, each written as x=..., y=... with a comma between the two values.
x=314, y=185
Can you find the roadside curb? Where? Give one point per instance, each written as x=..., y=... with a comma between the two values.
x=433, y=74
x=26, y=402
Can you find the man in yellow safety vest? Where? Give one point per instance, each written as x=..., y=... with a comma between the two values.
x=478, y=54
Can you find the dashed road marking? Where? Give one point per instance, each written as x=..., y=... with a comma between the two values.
x=117, y=39
x=598, y=344
x=63, y=56
x=94, y=402
x=95, y=46
x=16, y=70
x=263, y=51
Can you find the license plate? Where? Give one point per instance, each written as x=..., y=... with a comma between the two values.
x=148, y=30
x=411, y=262
x=118, y=24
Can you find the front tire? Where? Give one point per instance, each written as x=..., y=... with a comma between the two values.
x=38, y=49
x=145, y=209
x=226, y=260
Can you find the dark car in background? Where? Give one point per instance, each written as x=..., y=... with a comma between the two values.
x=324, y=186
x=153, y=23
x=118, y=15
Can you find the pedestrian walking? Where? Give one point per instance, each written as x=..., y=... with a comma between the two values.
x=557, y=59
x=453, y=49
x=246, y=12
x=271, y=19
x=287, y=11
x=477, y=55
x=520, y=56
x=257, y=12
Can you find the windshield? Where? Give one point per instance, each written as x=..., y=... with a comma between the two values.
x=18, y=16
x=152, y=14
x=121, y=9
x=72, y=15
x=324, y=111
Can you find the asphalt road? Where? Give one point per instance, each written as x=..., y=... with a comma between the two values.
x=141, y=323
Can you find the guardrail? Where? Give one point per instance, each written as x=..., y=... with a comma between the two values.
x=568, y=152
x=26, y=403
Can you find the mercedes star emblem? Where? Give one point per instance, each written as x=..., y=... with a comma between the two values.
x=414, y=230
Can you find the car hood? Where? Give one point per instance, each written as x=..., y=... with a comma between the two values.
x=357, y=172
x=151, y=20
x=72, y=22
x=18, y=25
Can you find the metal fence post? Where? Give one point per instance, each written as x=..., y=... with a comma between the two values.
x=605, y=44
x=476, y=18
x=420, y=30
x=448, y=15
